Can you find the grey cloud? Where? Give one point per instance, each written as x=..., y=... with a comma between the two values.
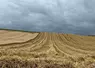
x=74, y=16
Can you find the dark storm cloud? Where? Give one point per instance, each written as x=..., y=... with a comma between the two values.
x=66, y=16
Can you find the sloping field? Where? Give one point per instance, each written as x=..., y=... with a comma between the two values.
x=57, y=46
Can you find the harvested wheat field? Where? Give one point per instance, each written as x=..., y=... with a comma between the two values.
x=19, y=49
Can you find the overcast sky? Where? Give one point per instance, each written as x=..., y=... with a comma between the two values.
x=65, y=16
